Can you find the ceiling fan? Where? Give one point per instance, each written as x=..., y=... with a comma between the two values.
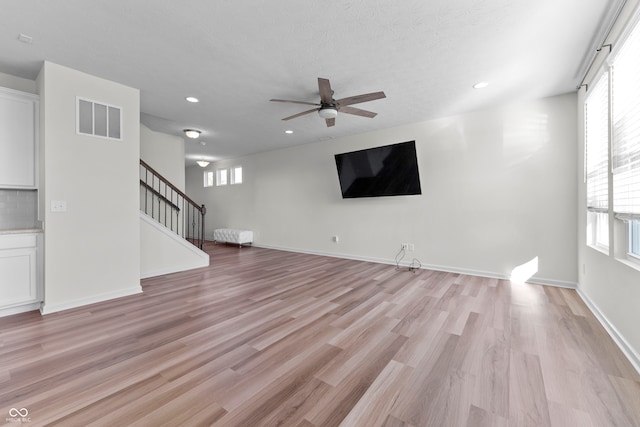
x=328, y=107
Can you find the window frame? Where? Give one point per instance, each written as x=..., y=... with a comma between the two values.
x=234, y=175
x=209, y=179
x=625, y=175
x=597, y=172
x=633, y=236
x=222, y=177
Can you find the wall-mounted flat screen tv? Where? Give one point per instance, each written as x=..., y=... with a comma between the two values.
x=390, y=170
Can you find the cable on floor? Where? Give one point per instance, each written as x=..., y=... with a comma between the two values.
x=415, y=263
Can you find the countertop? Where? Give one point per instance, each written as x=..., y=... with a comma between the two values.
x=21, y=231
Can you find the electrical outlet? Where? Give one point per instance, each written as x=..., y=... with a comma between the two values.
x=412, y=247
x=58, y=206
x=336, y=239
x=404, y=246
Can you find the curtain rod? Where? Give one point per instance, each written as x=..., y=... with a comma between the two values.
x=602, y=46
x=582, y=83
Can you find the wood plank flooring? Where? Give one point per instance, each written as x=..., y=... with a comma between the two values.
x=271, y=338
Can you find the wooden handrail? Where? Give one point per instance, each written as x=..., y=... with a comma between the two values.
x=159, y=196
x=170, y=185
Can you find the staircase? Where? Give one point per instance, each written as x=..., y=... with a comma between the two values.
x=169, y=206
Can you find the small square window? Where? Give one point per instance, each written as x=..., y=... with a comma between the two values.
x=208, y=178
x=221, y=177
x=236, y=175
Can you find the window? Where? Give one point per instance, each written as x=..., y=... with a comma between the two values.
x=236, y=175
x=596, y=113
x=625, y=145
x=221, y=177
x=634, y=239
x=208, y=178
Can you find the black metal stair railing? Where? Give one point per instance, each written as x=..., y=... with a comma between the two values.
x=168, y=205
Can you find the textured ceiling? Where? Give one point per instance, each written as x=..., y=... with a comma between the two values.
x=236, y=55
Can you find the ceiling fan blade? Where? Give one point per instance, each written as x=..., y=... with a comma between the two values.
x=360, y=98
x=330, y=122
x=301, y=114
x=326, y=94
x=294, y=102
x=357, y=112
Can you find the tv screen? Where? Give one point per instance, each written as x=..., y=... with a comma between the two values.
x=390, y=170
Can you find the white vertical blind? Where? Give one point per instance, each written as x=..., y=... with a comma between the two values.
x=597, y=143
x=626, y=126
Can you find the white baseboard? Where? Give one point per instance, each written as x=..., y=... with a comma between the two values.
x=534, y=280
x=470, y=272
x=618, y=338
x=20, y=309
x=329, y=254
x=53, y=308
x=173, y=269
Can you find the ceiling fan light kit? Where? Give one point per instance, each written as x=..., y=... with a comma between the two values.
x=328, y=112
x=328, y=107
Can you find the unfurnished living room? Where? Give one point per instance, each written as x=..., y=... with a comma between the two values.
x=320, y=213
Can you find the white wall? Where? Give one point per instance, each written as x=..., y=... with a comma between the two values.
x=498, y=190
x=163, y=252
x=90, y=254
x=607, y=282
x=164, y=153
x=18, y=83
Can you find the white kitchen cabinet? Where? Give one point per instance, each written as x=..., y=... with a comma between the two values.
x=18, y=139
x=19, y=273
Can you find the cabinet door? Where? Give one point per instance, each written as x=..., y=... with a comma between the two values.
x=17, y=139
x=18, y=276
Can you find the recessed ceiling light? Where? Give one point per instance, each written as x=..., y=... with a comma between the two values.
x=192, y=99
x=480, y=85
x=288, y=131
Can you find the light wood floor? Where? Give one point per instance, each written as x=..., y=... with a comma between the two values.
x=264, y=337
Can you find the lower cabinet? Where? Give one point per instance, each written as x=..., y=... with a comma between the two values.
x=19, y=273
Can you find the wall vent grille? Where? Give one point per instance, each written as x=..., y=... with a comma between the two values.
x=98, y=119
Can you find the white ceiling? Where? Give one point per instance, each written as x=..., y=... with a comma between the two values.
x=236, y=55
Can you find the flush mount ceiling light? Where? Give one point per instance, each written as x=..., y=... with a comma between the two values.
x=329, y=112
x=288, y=131
x=192, y=133
x=202, y=163
x=480, y=85
x=192, y=99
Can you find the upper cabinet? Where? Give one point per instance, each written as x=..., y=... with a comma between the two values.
x=18, y=139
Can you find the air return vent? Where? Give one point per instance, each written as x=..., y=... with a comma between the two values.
x=98, y=119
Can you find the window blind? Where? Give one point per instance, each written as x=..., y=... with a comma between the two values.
x=597, y=143
x=626, y=127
